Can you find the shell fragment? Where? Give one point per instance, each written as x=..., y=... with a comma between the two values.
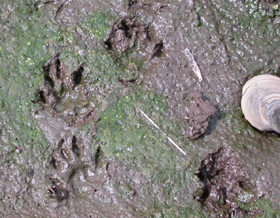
x=193, y=63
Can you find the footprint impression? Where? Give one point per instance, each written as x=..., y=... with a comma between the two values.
x=66, y=94
x=72, y=171
x=75, y=164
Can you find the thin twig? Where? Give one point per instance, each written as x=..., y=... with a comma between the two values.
x=169, y=139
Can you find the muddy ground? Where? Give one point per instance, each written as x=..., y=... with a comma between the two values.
x=82, y=81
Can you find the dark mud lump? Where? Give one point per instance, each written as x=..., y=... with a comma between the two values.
x=226, y=185
x=200, y=113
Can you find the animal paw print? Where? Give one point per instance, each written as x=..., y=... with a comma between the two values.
x=65, y=162
x=66, y=94
x=74, y=170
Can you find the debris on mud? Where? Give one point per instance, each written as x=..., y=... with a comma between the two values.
x=193, y=64
x=66, y=94
x=200, y=113
x=226, y=185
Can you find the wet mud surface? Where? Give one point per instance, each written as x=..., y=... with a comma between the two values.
x=75, y=78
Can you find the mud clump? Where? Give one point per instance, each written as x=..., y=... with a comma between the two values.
x=199, y=113
x=65, y=94
x=226, y=185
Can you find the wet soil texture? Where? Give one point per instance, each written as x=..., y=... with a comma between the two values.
x=96, y=95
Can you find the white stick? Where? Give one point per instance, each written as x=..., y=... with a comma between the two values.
x=155, y=125
x=194, y=65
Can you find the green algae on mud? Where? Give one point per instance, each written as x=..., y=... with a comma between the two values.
x=26, y=45
x=31, y=38
x=23, y=50
x=28, y=40
x=263, y=205
x=125, y=134
x=123, y=116
x=32, y=45
x=23, y=146
x=98, y=23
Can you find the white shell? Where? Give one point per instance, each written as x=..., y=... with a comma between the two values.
x=256, y=93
